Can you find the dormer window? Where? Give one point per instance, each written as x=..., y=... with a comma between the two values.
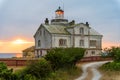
x=81, y=30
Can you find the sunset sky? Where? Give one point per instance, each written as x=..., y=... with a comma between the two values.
x=19, y=20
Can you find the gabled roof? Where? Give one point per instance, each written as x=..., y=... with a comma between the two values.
x=94, y=32
x=62, y=29
x=72, y=26
x=56, y=29
x=30, y=49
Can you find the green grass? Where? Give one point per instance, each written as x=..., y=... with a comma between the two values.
x=65, y=74
x=61, y=74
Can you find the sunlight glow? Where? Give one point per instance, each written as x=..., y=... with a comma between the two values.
x=20, y=41
x=0, y=43
x=17, y=45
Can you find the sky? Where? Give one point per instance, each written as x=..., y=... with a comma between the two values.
x=19, y=20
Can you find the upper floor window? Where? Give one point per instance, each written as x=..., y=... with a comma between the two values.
x=39, y=43
x=81, y=30
x=62, y=42
x=40, y=32
x=44, y=32
x=82, y=43
x=93, y=43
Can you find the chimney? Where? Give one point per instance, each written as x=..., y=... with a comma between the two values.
x=46, y=21
x=87, y=24
x=72, y=22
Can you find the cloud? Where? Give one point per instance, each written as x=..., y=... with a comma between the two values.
x=109, y=44
x=12, y=47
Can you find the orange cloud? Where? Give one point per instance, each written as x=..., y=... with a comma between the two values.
x=109, y=44
x=15, y=46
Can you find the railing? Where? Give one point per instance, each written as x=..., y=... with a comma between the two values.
x=23, y=62
x=15, y=62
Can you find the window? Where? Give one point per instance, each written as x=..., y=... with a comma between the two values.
x=93, y=43
x=81, y=42
x=62, y=42
x=81, y=30
x=44, y=32
x=40, y=32
x=93, y=52
x=86, y=53
x=39, y=43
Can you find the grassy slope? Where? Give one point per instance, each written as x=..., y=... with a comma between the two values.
x=110, y=75
x=69, y=74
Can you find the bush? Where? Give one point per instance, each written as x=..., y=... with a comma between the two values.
x=111, y=66
x=64, y=57
x=5, y=73
x=36, y=69
x=61, y=60
x=113, y=52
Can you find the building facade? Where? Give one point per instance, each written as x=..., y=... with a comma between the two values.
x=59, y=32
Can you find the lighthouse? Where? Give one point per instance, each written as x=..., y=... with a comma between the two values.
x=59, y=32
x=59, y=17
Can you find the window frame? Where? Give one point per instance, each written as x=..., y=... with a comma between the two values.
x=81, y=30
x=81, y=43
x=93, y=43
x=62, y=42
x=39, y=43
x=93, y=52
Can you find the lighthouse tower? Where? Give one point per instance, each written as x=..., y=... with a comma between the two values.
x=59, y=17
x=59, y=13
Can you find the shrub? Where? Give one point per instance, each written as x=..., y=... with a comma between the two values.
x=113, y=52
x=64, y=57
x=111, y=66
x=36, y=69
x=5, y=73
x=29, y=77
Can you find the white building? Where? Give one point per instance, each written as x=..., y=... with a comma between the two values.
x=61, y=33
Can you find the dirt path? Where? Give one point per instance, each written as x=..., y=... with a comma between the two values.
x=90, y=71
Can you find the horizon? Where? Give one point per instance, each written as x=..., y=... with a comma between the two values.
x=20, y=20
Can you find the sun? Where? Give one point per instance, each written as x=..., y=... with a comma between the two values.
x=19, y=41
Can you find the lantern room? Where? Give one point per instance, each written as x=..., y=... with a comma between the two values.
x=59, y=13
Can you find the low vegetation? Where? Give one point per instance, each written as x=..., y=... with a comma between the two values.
x=64, y=57
x=113, y=52
x=58, y=64
x=5, y=73
x=111, y=70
